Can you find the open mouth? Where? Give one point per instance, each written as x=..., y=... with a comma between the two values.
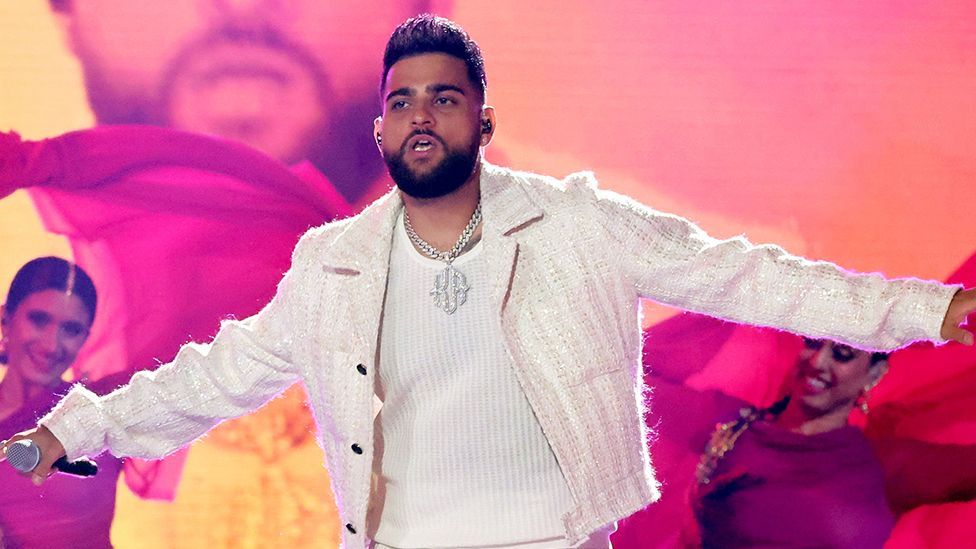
x=814, y=380
x=816, y=383
x=422, y=143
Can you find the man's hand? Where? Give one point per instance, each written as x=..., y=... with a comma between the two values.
x=51, y=451
x=962, y=305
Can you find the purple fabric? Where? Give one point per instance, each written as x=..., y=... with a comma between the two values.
x=177, y=230
x=65, y=511
x=777, y=488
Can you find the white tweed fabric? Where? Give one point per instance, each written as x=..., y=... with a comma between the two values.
x=569, y=265
x=461, y=460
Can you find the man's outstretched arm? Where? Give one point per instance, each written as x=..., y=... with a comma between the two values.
x=248, y=363
x=671, y=260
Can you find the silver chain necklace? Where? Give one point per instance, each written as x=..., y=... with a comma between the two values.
x=451, y=288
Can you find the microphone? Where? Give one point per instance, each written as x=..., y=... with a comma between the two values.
x=24, y=456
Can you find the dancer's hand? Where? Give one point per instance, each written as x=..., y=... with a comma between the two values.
x=51, y=451
x=12, y=162
x=962, y=305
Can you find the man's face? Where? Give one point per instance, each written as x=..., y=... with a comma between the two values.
x=431, y=125
x=831, y=376
x=270, y=73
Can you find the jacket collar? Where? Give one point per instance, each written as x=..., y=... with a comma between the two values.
x=366, y=239
x=506, y=201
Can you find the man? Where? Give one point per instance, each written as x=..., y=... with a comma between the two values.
x=505, y=352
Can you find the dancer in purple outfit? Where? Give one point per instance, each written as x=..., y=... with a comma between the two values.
x=46, y=319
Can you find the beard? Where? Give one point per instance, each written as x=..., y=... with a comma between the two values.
x=442, y=179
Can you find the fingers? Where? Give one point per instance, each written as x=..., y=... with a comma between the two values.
x=5, y=444
x=959, y=335
x=967, y=303
x=50, y=447
x=51, y=451
x=962, y=305
x=42, y=471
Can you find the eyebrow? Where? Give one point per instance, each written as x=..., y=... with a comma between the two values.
x=400, y=91
x=433, y=88
x=437, y=88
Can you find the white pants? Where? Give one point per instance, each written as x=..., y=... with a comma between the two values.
x=597, y=540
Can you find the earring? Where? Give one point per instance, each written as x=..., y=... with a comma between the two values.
x=862, y=403
x=379, y=139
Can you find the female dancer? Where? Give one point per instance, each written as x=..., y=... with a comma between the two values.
x=788, y=472
x=45, y=321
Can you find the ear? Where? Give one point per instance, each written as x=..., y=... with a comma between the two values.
x=488, y=124
x=378, y=132
x=875, y=373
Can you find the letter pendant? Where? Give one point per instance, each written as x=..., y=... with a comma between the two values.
x=450, y=289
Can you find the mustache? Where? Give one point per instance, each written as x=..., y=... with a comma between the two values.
x=403, y=146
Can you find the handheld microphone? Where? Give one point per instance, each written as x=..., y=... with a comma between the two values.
x=24, y=456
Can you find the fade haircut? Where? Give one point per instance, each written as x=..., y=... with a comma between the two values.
x=432, y=34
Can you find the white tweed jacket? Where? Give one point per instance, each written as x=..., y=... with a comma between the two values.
x=570, y=264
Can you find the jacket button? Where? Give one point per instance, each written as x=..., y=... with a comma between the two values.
x=350, y=528
x=357, y=449
x=361, y=369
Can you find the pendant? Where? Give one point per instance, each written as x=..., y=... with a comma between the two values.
x=450, y=289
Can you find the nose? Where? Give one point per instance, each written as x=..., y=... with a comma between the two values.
x=422, y=117
x=813, y=358
x=821, y=358
x=49, y=341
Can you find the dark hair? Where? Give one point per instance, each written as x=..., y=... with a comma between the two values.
x=877, y=357
x=51, y=273
x=428, y=33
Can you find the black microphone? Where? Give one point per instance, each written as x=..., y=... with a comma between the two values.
x=24, y=456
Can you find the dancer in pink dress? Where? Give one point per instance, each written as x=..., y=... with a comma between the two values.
x=46, y=319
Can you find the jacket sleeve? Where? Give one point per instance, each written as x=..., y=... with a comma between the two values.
x=672, y=261
x=247, y=363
